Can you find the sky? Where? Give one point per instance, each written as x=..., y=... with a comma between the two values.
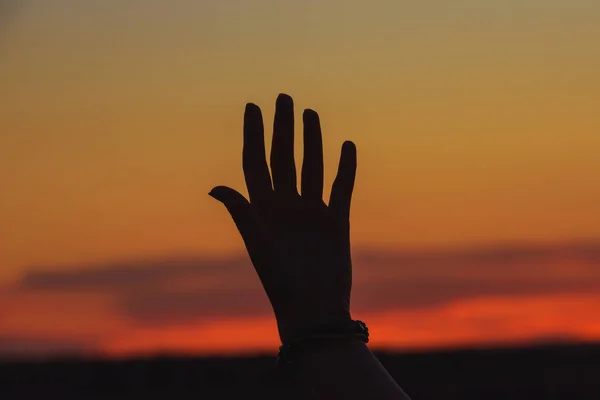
x=475, y=215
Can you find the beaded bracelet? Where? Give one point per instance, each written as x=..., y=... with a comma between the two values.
x=322, y=335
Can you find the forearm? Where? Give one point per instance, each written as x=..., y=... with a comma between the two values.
x=346, y=369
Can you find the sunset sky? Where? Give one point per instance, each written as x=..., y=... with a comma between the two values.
x=476, y=213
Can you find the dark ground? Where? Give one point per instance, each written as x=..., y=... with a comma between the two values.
x=543, y=372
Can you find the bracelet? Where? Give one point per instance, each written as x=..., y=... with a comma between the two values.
x=322, y=335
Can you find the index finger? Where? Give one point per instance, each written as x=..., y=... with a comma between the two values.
x=254, y=160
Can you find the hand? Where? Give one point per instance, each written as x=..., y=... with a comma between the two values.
x=299, y=246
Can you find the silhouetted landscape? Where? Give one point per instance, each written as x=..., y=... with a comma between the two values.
x=536, y=372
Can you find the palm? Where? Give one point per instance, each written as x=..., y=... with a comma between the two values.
x=299, y=246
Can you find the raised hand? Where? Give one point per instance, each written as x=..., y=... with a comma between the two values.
x=299, y=246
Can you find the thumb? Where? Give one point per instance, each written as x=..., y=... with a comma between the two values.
x=235, y=202
x=232, y=199
x=248, y=224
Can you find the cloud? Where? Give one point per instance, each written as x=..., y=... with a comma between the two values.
x=451, y=263
x=480, y=294
x=119, y=276
x=19, y=346
x=160, y=308
x=500, y=256
x=191, y=289
x=425, y=293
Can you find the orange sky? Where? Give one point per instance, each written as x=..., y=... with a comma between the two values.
x=476, y=126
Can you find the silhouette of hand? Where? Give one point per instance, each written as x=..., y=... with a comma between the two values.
x=299, y=246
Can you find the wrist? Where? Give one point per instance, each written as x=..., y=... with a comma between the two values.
x=322, y=336
x=293, y=331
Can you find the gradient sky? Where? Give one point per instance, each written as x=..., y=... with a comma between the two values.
x=477, y=129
